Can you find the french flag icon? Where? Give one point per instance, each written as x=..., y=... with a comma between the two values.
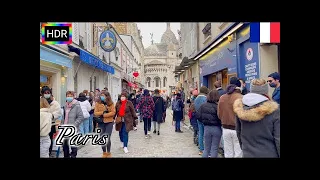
x=265, y=32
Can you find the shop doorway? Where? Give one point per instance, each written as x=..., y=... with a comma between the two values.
x=218, y=76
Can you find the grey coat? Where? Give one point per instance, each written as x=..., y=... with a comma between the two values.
x=258, y=126
x=75, y=116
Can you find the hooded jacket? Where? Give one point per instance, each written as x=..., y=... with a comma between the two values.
x=258, y=126
x=45, y=122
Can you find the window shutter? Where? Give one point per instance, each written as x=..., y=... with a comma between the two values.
x=75, y=33
x=89, y=37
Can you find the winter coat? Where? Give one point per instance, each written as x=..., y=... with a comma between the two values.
x=55, y=109
x=225, y=109
x=99, y=110
x=129, y=117
x=146, y=106
x=221, y=91
x=193, y=121
x=276, y=95
x=45, y=122
x=178, y=115
x=86, y=108
x=207, y=114
x=75, y=116
x=159, y=108
x=258, y=126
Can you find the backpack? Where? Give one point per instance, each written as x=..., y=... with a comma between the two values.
x=176, y=105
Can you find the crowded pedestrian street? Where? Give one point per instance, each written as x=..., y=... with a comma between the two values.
x=168, y=144
x=160, y=90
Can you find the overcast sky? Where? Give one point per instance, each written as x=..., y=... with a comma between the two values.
x=157, y=29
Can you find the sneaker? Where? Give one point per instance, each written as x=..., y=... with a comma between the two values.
x=135, y=128
x=158, y=132
x=149, y=132
x=200, y=153
x=125, y=149
x=180, y=131
x=146, y=137
x=154, y=131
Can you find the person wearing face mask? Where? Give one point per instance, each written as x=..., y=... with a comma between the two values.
x=105, y=108
x=86, y=107
x=228, y=120
x=73, y=115
x=146, y=106
x=125, y=115
x=274, y=82
x=55, y=110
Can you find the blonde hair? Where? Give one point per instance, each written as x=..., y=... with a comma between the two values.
x=258, y=82
x=44, y=103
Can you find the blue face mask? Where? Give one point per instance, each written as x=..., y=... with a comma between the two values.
x=69, y=99
x=102, y=98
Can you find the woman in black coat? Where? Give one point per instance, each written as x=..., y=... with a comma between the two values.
x=207, y=114
x=159, y=111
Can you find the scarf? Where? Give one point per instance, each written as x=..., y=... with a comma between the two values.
x=122, y=108
x=68, y=108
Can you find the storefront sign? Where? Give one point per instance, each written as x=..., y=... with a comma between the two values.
x=249, y=62
x=95, y=62
x=224, y=58
x=108, y=41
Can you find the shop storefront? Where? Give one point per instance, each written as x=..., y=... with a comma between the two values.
x=53, y=71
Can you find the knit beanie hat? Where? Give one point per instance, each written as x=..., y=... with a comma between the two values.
x=262, y=89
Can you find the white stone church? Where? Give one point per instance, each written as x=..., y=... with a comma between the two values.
x=160, y=60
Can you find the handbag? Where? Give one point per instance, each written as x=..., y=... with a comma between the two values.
x=118, y=119
x=98, y=120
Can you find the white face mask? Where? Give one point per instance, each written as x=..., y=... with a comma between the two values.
x=47, y=96
x=123, y=98
x=87, y=97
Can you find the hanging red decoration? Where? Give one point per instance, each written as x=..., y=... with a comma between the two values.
x=135, y=74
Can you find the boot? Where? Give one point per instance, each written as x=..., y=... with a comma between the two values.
x=108, y=155
x=104, y=155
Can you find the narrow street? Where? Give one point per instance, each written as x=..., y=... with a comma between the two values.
x=167, y=144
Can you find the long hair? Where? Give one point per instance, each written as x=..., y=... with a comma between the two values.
x=44, y=103
x=108, y=97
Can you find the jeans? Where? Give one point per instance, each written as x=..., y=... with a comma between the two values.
x=45, y=143
x=106, y=129
x=178, y=124
x=212, y=137
x=66, y=151
x=84, y=126
x=124, y=135
x=147, y=125
x=200, y=135
x=91, y=123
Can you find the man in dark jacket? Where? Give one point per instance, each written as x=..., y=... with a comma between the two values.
x=158, y=110
x=218, y=87
x=274, y=82
x=258, y=122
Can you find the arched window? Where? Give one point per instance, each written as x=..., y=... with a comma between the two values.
x=157, y=79
x=164, y=81
x=148, y=81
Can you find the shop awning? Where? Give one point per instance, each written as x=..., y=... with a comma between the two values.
x=92, y=60
x=47, y=54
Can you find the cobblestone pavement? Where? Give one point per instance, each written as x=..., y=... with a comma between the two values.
x=167, y=144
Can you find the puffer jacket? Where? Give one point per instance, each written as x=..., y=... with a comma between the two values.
x=85, y=107
x=45, y=122
x=258, y=126
x=75, y=116
x=207, y=114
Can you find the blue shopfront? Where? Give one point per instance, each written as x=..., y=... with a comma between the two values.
x=234, y=55
x=53, y=71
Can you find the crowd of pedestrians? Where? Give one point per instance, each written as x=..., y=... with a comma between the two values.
x=234, y=121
